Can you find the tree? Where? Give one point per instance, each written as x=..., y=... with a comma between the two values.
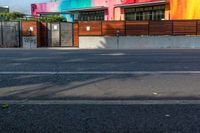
x=51, y=19
x=11, y=16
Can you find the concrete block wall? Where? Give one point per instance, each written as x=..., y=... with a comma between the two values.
x=139, y=42
x=97, y=42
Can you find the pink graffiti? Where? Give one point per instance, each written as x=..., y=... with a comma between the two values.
x=44, y=7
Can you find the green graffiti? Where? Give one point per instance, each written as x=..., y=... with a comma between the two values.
x=65, y=5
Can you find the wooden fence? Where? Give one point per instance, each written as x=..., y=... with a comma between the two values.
x=138, y=28
x=42, y=34
x=110, y=28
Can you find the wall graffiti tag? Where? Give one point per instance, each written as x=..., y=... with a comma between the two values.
x=29, y=42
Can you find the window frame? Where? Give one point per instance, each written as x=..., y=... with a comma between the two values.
x=145, y=13
x=96, y=15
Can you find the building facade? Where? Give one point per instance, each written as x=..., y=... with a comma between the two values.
x=4, y=9
x=89, y=10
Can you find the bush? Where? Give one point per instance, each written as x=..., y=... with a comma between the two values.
x=11, y=16
x=52, y=19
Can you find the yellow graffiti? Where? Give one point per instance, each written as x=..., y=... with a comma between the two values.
x=185, y=9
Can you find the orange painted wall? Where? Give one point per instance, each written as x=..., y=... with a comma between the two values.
x=26, y=25
x=176, y=9
x=184, y=9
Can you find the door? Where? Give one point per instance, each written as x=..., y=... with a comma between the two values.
x=54, y=34
x=60, y=34
x=66, y=34
x=9, y=34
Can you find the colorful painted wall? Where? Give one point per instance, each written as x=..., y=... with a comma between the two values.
x=185, y=9
x=177, y=9
x=77, y=4
x=44, y=7
x=135, y=1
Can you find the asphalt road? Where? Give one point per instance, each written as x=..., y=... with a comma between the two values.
x=100, y=119
x=99, y=60
x=32, y=82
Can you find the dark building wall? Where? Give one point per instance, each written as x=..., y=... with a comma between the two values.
x=4, y=9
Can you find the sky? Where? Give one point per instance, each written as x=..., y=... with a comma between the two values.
x=20, y=5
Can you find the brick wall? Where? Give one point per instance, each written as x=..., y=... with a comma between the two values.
x=76, y=34
x=26, y=25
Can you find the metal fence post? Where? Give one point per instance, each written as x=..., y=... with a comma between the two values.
x=60, y=34
x=19, y=32
x=118, y=34
x=47, y=35
x=2, y=41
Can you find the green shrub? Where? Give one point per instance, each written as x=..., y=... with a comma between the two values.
x=51, y=19
x=11, y=16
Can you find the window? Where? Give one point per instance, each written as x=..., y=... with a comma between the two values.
x=145, y=13
x=91, y=15
x=4, y=9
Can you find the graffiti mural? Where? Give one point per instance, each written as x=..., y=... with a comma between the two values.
x=64, y=5
x=73, y=4
x=135, y=1
x=185, y=9
x=44, y=7
x=178, y=9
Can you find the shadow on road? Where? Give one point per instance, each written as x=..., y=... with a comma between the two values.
x=98, y=87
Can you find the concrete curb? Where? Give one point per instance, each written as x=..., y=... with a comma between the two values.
x=101, y=49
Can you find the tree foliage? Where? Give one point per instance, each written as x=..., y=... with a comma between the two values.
x=51, y=19
x=11, y=15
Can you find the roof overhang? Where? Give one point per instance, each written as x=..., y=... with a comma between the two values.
x=4, y=6
x=73, y=11
x=160, y=2
x=97, y=8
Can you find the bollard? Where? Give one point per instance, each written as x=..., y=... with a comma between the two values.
x=118, y=34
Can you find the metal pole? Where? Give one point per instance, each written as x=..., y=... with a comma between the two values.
x=2, y=33
x=118, y=33
x=117, y=42
x=60, y=42
x=19, y=32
